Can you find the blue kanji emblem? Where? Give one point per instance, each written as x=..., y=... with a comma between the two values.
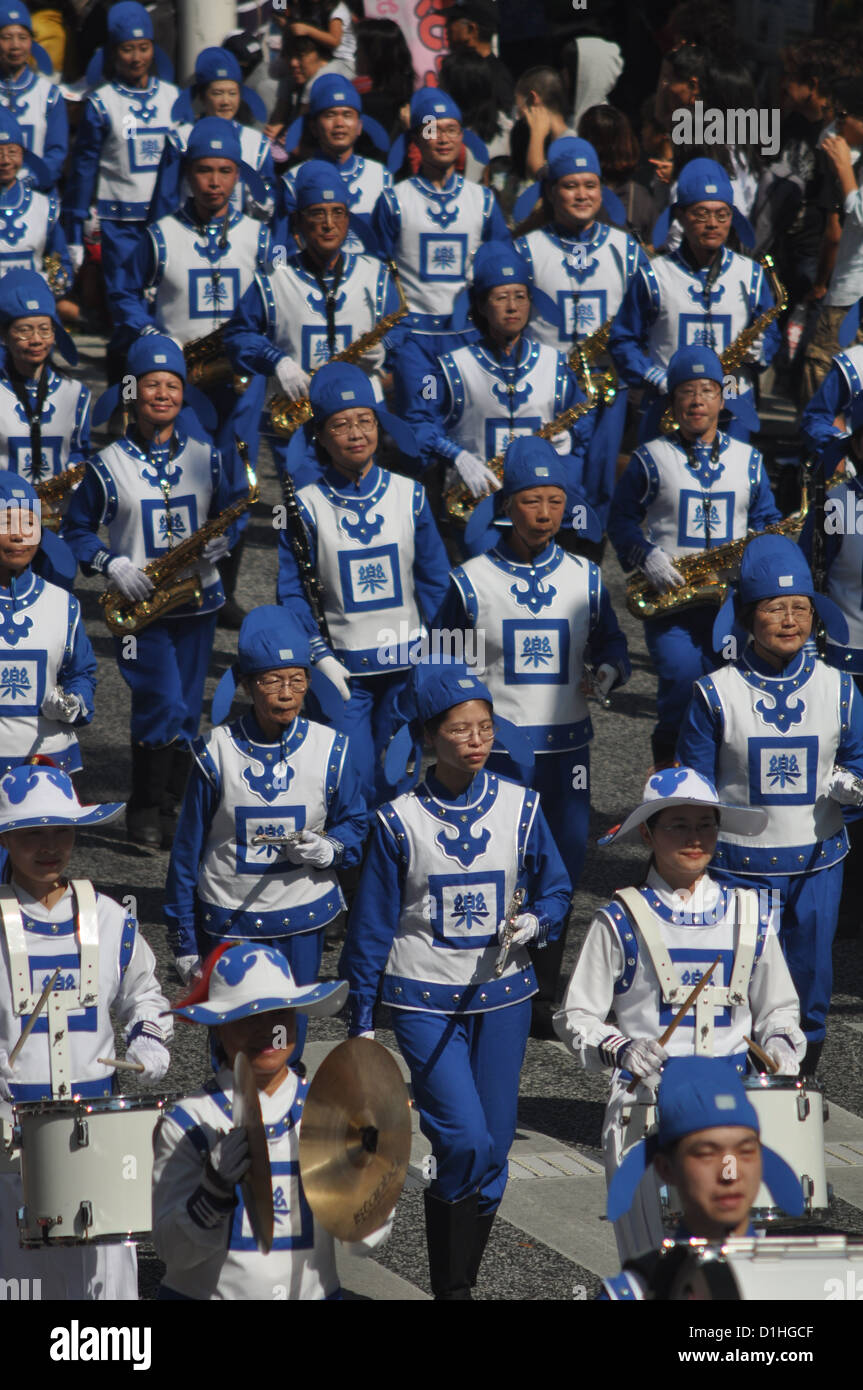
x=14, y=682
x=536, y=651
x=280, y=1204
x=372, y=577
x=469, y=908
x=176, y=526
x=783, y=769
x=443, y=256
x=706, y=513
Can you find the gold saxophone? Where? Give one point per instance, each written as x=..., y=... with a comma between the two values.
x=287, y=416
x=734, y=354
x=207, y=364
x=54, y=489
x=460, y=501
x=170, y=587
x=52, y=269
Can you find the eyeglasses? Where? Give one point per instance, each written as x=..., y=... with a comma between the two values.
x=319, y=217
x=699, y=393
x=366, y=424
x=461, y=734
x=778, y=612
x=27, y=335
x=721, y=218
x=508, y=297
x=270, y=684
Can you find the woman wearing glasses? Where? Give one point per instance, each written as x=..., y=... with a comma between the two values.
x=779, y=729
x=272, y=810
x=427, y=928
x=680, y=495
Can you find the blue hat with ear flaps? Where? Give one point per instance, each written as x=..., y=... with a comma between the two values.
x=529, y=462
x=271, y=638
x=774, y=566
x=703, y=364
x=25, y=294
x=154, y=352
x=328, y=91
x=703, y=181
x=698, y=1093
x=217, y=65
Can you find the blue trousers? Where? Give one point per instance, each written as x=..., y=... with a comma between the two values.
x=369, y=719
x=809, y=907
x=600, y=467
x=566, y=808
x=302, y=951
x=681, y=649
x=165, y=669
x=465, y=1071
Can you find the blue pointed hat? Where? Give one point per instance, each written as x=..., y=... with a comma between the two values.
x=217, y=65
x=698, y=1093
x=530, y=461
x=271, y=638
x=437, y=684
x=772, y=567
x=25, y=294
x=330, y=90
x=343, y=386
x=432, y=103
x=154, y=352
x=703, y=181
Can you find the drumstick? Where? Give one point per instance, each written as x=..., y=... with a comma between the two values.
x=118, y=1062
x=762, y=1056
x=681, y=1013
x=28, y=1027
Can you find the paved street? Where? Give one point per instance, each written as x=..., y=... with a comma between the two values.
x=550, y=1241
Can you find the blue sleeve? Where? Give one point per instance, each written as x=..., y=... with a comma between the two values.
x=426, y=403
x=246, y=341
x=453, y=615
x=79, y=442
x=549, y=889
x=431, y=565
x=772, y=336
x=190, y=837
x=129, y=309
x=700, y=737
x=627, y=341
x=348, y=816
x=78, y=671
x=56, y=135
x=606, y=642
x=81, y=186
x=81, y=525
x=832, y=398
x=372, y=927
x=626, y=514
x=494, y=226
x=763, y=510
x=391, y=295
x=386, y=221
x=850, y=751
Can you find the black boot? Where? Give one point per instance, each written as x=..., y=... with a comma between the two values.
x=663, y=745
x=175, y=788
x=813, y=1057
x=151, y=768
x=231, y=615
x=546, y=964
x=482, y=1231
x=450, y=1234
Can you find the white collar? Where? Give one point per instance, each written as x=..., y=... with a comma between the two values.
x=702, y=899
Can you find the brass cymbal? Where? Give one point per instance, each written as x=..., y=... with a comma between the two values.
x=355, y=1139
x=258, y=1183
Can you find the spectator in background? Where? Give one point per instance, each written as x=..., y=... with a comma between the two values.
x=472, y=24
x=592, y=65
x=540, y=99
x=307, y=60
x=334, y=32
x=611, y=135
x=465, y=75
x=385, y=76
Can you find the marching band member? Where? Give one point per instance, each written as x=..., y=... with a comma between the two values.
x=645, y=950
x=269, y=773
x=312, y=305
x=705, y=1118
x=681, y=495
x=30, y=231
x=585, y=266
x=119, y=142
x=432, y=224
x=837, y=395
x=426, y=927
x=31, y=97
x=779, y=729
x=545, y=617
x=44, y=417
x=201, y=1225
x=485, y=393
x=48, y=920
x=151, y=489
x=47, y=666
x=381, y=562
x=701, y=295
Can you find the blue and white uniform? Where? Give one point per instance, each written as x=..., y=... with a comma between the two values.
x=439, y=873
x=30, y=229
x=686, y=502
x=383, y=568
x=365, y=180
x=38, y=107
x=835, y=396
x=63, y=418
x=256, y=153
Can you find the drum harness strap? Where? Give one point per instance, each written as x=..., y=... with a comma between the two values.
x=60, y=1002
x=712, y=996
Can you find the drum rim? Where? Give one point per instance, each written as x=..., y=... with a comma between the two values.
x=92, y=1105
x=760, y=1081
x=133, y=1237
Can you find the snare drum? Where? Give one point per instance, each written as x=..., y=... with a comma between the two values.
x=87, y=1169
x=808, y=1268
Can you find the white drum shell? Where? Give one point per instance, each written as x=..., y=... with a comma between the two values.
x=87, y=1169
x=774, y=1269
x=791, y=1112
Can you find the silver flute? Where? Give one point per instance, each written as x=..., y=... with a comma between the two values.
x=509, y=930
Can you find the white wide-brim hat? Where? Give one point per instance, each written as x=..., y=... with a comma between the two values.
x=33, y=794
x=248, y=980
x=683, y=786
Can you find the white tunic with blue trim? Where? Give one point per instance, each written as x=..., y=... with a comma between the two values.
x=296, y=313
x=207, y=1244
x=28, y=98
x=137, y=122
x=440, y=231
x=686, y=319
x=586, y=278
x=682, y=504
x=248, y=890
x=492, y=404
x=64, y=418
x=38, y=629
x=26, y=218
x=199, y=280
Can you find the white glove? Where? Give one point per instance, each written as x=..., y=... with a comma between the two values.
x=526, y=929
x=292, y=379
x=657, y=377
x=6, y=1075
x=561, y=443
x=188, y=968
x=312, y=849
x=604, y=679
x=474, y=474
x=216, y=549
x=133, y=583
x=337, y=673
x=370, y=1034
x=845, y=787
x=153, y=1056
x=373, y=360
x=228, y=1161
x=661, y=571
x=783, y=1054
x=643, y=1058
x=76, y=256
x=62, y=707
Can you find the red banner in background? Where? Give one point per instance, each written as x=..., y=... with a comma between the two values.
x=424, y=31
